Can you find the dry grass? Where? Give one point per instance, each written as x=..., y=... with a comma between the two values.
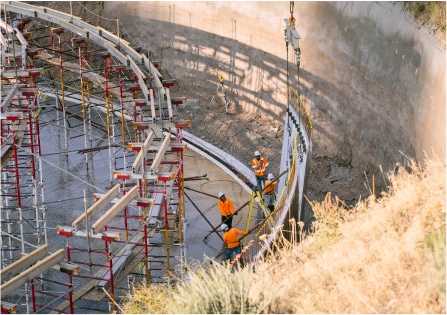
x=386, y=255
x=390, y=253
x=152, y=300
x=431, y=13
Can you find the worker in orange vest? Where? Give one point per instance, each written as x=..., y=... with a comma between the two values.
x=231, y=240
x=226, y=209
x=269, y=192
x=259, y=165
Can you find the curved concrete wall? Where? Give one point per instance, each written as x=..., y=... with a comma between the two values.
x=380, y=75
x=374, y=81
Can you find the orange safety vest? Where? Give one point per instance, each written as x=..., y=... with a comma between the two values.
x=230, y=237
x=260, y=171
x=226, y=207
x=269, y=189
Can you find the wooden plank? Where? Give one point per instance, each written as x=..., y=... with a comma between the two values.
x=140, y=157
x=161, y=152
x=152, y=106
x=148, y=141
x=169, y=104
x=140, y=76
x=24, y=262
x=76, y=296
x=112, y=212
x=32, y=272
x=98, y=205
x=11, y=93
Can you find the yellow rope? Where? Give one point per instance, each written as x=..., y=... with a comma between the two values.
x=301, y=103
x=292, y=168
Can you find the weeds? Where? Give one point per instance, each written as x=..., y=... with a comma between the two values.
x=429, y=12
x=151, y=300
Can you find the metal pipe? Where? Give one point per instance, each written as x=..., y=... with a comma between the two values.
x=201, y=213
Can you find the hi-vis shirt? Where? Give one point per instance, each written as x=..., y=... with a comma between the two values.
x=230, y=237
x=269, y=190
x=226, y=207
x=260, y=171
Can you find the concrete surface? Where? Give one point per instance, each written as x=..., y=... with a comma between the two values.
x=197, y=226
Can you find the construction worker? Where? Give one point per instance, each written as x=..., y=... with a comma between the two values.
x=259, y=165
x=231, y=240
x=226, y=209
x=269, y=192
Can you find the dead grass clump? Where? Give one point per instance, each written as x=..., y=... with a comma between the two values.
x=329, y=215
x=429, y=12
x=152, y=300
x=219, y=289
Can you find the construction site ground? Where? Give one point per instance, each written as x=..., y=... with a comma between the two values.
x=197, y=226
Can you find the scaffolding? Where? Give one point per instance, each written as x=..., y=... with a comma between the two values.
x=130, y=231
x=23, y=212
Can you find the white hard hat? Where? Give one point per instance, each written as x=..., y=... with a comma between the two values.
x=221, y=194
x=270, y=176
x=224, y=227
x=257, y=153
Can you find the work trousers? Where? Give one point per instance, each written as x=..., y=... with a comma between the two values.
x=260, y=181
x=228, y=222
x=269, y=201
x=237, y=250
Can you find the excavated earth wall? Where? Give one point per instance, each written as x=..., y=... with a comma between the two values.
x=373, y=80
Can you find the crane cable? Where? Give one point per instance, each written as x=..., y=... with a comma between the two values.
x=287, y=70
x=292, y=19
x=298, y=61
x=297, y=50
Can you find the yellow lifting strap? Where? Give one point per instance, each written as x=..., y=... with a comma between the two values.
x=255, y=194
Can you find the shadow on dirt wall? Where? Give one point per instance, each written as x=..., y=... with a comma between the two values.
x=359, y=119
